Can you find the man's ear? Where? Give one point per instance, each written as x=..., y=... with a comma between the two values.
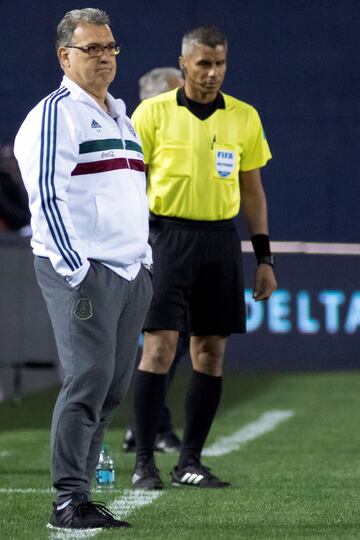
x=182, y=65
x=63, y=56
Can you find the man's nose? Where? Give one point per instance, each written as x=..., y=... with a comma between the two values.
x=105, y=57
x=105, y=53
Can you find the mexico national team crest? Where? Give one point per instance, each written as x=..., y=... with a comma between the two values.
x=130, y=127
x=225, y=162
x=83, y=309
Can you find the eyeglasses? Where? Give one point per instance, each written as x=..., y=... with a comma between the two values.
x=94, y=51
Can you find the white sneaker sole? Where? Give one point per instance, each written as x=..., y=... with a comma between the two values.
x=49, y=526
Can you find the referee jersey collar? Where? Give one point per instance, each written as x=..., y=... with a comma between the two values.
x=183, y=101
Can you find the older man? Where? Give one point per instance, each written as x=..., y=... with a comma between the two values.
x=83, y=168
x=203, y=149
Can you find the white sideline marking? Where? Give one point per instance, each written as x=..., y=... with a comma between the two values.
x=72, y=534
x=43, y=490
x=132, y=500
x=267, y=422
x=121, y=507
x=312, y=248
x=26, y=490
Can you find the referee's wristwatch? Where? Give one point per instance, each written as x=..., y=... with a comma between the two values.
x=267, y=259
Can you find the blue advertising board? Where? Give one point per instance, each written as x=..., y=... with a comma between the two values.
x=312, y=322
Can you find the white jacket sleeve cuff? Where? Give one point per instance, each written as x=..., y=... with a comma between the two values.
x=148, y=260
x=78, y=275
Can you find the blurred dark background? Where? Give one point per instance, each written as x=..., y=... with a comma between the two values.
x=296, y=61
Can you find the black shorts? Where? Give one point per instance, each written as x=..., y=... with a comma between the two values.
x=198, y=278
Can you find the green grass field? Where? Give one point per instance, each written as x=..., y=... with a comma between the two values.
x=301, y=480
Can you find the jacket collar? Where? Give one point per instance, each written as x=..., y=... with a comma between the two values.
x=117, y=107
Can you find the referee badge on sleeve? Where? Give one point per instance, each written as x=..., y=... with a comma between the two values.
x=225, y=162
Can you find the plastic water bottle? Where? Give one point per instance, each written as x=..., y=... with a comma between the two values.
x=105, y=472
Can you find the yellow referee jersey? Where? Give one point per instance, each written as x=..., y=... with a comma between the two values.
x=193, y=164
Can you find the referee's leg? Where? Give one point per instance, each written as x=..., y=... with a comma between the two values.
x=149, y=397
x=203, y=396
x=151, y=381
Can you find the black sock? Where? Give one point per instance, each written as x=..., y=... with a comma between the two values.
x=165, y=425
x=149, y=396
x=201, y=404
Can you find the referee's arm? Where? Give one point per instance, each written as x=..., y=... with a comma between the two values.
x=254, y=206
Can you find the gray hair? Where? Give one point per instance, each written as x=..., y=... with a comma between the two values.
x=156, y=81
x=71, y=19
x=205, y=35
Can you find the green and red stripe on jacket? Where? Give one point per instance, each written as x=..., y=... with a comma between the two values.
x=102, y=155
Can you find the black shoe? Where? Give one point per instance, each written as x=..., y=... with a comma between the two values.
x=197, y=475
x=167, y=442
x=129, y=441
x=84, y=514
x=146, y=476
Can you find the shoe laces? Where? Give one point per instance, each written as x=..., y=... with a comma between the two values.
x=206, y=470
x=149, y=467
x=203, y=468
x=83, y=509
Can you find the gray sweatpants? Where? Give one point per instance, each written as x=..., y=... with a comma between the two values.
x=96, y=327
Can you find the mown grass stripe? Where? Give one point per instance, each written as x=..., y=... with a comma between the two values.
x=267, y=422
x=132, y=500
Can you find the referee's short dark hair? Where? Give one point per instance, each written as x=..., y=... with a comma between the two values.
x=205, y=35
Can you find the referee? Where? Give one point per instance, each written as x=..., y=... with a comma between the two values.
x=203, y=150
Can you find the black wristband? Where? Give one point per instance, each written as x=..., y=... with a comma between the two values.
x=261, y=245
x=267, y=259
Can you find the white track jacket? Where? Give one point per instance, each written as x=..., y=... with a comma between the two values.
x=84, y=172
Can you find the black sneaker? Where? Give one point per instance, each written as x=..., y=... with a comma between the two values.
x=129, y=444
x=196, y=475
x=167, y=442
x=84, y=514
x=146, y=476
